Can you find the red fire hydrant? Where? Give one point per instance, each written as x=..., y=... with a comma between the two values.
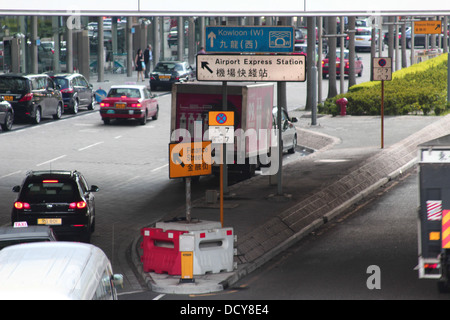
x=343, y=104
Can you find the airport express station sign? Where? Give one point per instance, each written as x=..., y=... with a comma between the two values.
x=262, y=68
x=249, y=39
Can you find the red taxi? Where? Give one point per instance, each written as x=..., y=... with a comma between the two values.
x=129, y=102
x=358, y=64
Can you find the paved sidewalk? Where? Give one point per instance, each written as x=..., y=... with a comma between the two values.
x=348, y=164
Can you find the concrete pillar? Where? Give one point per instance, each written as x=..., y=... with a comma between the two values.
x=34, y=48
x=129, y=38
x=69, y=48
x=100, y=51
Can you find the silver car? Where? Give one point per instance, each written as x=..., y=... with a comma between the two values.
x=288, y=131
x=6, y=115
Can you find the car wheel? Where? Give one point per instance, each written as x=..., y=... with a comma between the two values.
x=37, y=116
x=155, y=117
x=91, y=106
x=75, y=106
x=58, y=113
x=106, y=121
x=143, y=121
x=9, y=119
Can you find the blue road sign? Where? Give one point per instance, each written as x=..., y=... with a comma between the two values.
x=249, y=39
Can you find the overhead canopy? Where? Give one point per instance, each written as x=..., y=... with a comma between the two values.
x=226, y=8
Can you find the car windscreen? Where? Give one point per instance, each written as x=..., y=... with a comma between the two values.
x=7, y=243
x=363, y=33
x=163, y=67
x=13, y=84
x=124, y=92
x=62, y=82
x=50, y=190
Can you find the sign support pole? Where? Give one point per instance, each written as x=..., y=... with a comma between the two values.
x=224, y=157
x=221, y=187
x=382, y=114
x=188, y=199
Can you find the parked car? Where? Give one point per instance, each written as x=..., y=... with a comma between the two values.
x=57, y=198
x=6, y=115
x=129, y=102
x=358, y=64
x=300, y=36
x=25, y=234
x=166, y=73
x=363, y=38
x=32, y=96
x=288, y=131
x=76, y=91
x=172, y=37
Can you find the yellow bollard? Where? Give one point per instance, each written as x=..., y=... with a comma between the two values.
x=187, y=267
x=187, y=258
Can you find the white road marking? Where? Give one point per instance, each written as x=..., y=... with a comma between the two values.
x=52, y=160
x=10, y=174
x=90, y=146
x=159, y=168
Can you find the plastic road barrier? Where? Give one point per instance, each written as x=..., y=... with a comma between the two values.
x=161, y=251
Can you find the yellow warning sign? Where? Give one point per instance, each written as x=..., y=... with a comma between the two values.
x=428, y=27
x=190, y=159
x=221, y=118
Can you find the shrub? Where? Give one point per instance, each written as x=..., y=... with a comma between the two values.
x=419, y=88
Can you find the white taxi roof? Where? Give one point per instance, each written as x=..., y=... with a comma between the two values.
x=51, y=270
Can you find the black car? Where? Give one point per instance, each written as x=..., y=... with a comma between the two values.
x=76, y=91
x=32, y=96
x=166, y=73
x=6, y=115
x=60, y=199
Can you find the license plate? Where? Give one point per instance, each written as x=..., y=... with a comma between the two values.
x=120, y=105
x=360, y=39
x=164, y=77
x=8, y=98
x=50, y=222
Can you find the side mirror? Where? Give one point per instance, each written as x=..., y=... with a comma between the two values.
x=16, y=189
x=117, y=280
x=94, y=188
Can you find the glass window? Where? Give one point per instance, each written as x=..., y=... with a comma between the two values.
x=104, y=289
x=62, y=82
x=13, y=84
x=82, y=82
x=50, y=190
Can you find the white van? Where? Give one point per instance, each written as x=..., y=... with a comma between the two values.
x=56, y=271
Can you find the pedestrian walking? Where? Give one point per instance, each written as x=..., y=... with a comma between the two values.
x=148, y=57
x=140, y=65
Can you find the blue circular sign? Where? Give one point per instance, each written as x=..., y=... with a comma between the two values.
x=221, y=118
x=382, y=62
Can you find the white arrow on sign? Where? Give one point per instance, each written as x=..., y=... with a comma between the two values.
x=212, y=36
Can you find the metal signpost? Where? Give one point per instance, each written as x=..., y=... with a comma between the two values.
x=382, y=71
x=221, y=130
x=220, y=64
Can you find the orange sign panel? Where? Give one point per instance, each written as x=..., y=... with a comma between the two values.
x=221, y=118
x=190, y=159
x=428, y=27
